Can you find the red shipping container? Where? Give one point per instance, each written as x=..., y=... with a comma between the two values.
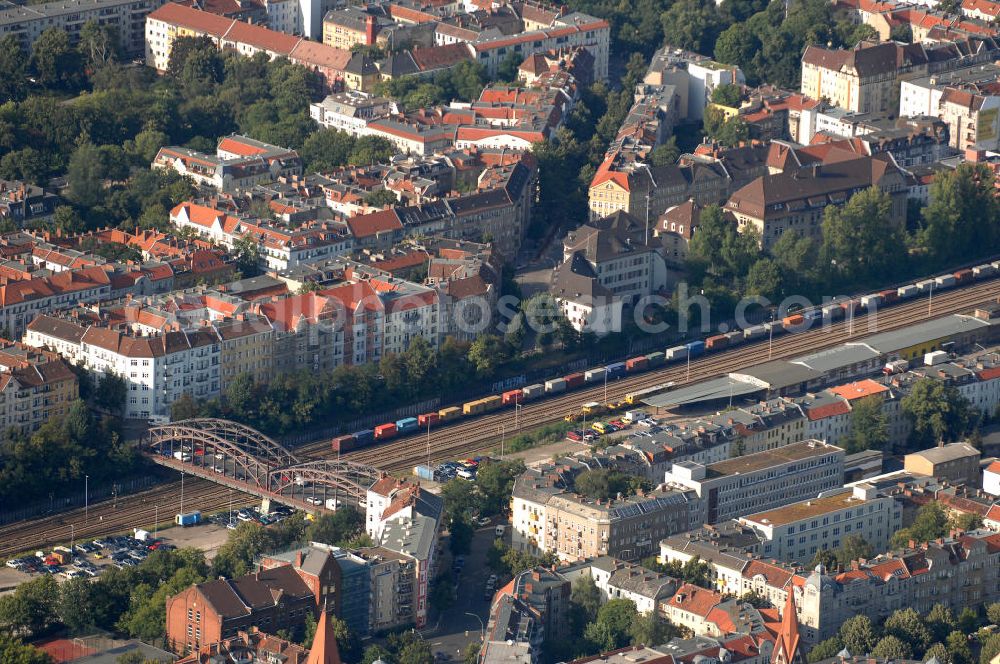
x=573, y=380
x=716, y=342
x=427, y=418
x=636, y=364
x=511, y=397
x=344, y=443
x=384, y=431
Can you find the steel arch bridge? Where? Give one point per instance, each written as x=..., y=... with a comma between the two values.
x=240, y=457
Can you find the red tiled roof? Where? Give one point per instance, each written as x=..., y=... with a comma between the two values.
x=262, y=38
x=374, y=223
x=693, y=599
x=193, y=19
x=776, y=577
x=828, y=410
x=859, y=389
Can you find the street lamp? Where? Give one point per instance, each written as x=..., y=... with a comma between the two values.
x=517, y=419
x=86, y=498
x=482, y=627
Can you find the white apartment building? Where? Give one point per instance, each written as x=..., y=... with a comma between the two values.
x=794, y=533
x=964, y=98
x=27, y=22
x=157, y=369
x=351, y=111
x=762, y=481
x=23, y=300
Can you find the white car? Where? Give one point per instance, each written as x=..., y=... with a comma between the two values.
x=312, y=500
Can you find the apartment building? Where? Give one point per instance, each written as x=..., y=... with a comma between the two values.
x=693, y=77
x=157, y=369
x=795, y=200
x=392, y=576
x=239, y=163
x=761, y=481
x=967, y=100
x=126, y=17
x=547, y=516
x=619, y=579
x=621, y=250
x=766, y=425
x=570, y=30
x=35, y=386
x=866, y=78
x=533, y=608
x=351, y=111
x=21, y=301
x=21, y=202
x=353, y=26
x=795, y=532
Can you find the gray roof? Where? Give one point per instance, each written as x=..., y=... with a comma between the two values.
x=837, y=357
x=709, y=390
x=932, y=330
x=947, y=453
x=778, y=374
x=415, y=537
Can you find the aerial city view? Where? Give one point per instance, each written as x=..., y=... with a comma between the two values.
x=500, y=331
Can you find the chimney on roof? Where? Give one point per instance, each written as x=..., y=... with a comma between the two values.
x=299, y=558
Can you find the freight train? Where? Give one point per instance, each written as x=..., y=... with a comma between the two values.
x=796, y=322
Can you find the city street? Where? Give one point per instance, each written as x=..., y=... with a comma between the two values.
x=456, y=628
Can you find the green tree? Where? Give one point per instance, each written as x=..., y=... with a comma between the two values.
x=938, y=412
x=98, y=45
x=957, y=644
x=13, y=651
x=665, y=154
x=486, y=353
x=31, y=608
x=825, y=650
x=374, y=652
x=941, y=621
x=869, y=427
x=508, y=68
x=907, y=626
x=381, y=198
x=74, y=605
x=415, y=652
x=961, y=221
x=652, y=629
x=336, y=528
x=862, y=243
x=891, y=648
x=56, y=63
x=765, y=279
x=184, y=408
x=326, y=149
x=858, y=634
x=930, y=522
x=371, y=150
x=248, y=255
x=993, y=613
x=110, y=392
x=990, y=649
x=460, y=537
x=495, y=483
x=727, y=94
x=586, y=599
x=611, y=630
x=729, y=132
x=202, y=71
x=693, y=25
x=85, y=175
x=13, y=70
x=66, y=219
x=939, y=651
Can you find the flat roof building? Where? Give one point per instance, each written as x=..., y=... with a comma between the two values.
x=762, y=481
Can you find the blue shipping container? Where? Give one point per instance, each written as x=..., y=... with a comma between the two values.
x=695, y=348
x=406, y=424
x=364, y=437
x=189, y=519
x=615, y=370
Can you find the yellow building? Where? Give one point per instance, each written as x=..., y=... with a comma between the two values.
x=34, y=386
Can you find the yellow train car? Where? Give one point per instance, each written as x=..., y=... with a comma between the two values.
x=449, y=413
x=633, y=398
x=492, y=403
x=473, y=407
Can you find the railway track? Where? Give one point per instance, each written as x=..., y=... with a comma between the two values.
x=482, y=434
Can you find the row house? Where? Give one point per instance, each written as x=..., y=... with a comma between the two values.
x=23, y=300
x=21, y=202
x=35, y=386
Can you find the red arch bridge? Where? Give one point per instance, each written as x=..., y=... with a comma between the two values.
x=237, y=456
